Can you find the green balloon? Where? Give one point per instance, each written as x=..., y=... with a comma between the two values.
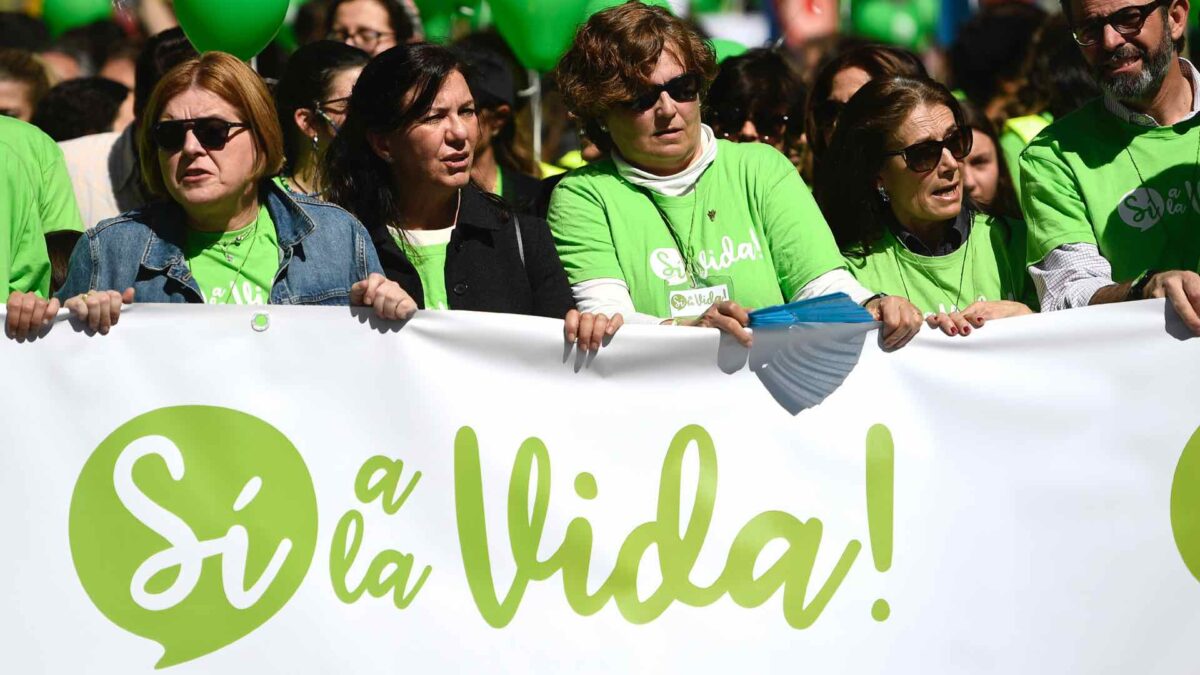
x=239, y=27
x=594, y=6
x=907, y=23
x=438, y=26
x=539, y=31
x=708, y=6
x=727, y=48
x=63, y=15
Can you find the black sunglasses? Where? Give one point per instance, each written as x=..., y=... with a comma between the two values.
x=770, y=125
x=826, y=112
x=682, y=89
x=1126, y=21
x=925, y=156
x=212, y=132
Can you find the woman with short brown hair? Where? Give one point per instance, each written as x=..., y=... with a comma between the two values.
x=676, y=226
x=223, y=233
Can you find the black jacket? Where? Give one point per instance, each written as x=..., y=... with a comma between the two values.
x=484, y=271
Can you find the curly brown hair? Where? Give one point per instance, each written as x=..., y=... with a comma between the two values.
x=614, y=55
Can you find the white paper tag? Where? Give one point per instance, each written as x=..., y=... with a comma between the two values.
x=694, y=301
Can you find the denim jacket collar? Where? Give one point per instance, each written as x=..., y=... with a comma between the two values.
x=164, y=250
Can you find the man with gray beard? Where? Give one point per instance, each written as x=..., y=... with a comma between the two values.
x=1111, y=192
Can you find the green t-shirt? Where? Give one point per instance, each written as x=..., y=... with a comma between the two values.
x=30, y=206
x=54, y=194
x=1017, y=133
x=430, y=261
x=750, y=224
x=236, y=267
x=1133, y=191
x=990, y=265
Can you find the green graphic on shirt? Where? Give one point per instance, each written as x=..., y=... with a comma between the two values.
x=192, y=526
x=1185, y=505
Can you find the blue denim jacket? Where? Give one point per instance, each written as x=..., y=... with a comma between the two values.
x=323, y=250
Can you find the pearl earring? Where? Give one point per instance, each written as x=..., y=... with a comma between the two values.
x=316, y=140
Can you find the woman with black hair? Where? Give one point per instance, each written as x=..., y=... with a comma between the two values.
x=502, y=166
x=311, y=99
x=892, y=190
x=758, y=97
x=838, y=80
x=402, y=164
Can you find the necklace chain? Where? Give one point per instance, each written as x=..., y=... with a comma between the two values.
x=966, y=253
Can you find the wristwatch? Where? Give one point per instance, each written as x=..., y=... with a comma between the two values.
x=877, y=296
x=1137, y=290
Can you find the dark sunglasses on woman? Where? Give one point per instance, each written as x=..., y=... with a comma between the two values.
x=682, y=89
x=924, y=156
x=212, y=132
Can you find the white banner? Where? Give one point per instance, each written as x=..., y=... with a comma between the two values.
x=209, y=490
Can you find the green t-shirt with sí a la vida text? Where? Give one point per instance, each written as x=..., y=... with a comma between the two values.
x=990, y=265
x=236, y=267
x=750, y=225
x=1132, y=191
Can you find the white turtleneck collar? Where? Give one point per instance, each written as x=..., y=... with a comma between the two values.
x=676, y=185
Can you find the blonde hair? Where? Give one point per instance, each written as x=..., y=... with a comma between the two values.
x=234, y=82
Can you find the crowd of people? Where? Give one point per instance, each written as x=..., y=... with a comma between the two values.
x=1045, y=162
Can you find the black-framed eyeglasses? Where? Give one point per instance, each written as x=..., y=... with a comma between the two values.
x=682, y=89
x=1126, y=21
x=364, y=36
x=924, y=156
x=337, y=106
x=212, y=132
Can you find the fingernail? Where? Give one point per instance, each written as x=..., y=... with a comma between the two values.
x=954, y=331
x=966, y=331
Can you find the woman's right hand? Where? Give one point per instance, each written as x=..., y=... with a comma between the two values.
x=728, y=317
x=901, y=319
x=589, y=330
x=100, y=310
x=28, y=313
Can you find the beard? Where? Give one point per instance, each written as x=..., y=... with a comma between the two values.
x=1141, y=85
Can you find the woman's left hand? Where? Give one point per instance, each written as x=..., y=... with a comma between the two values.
x=388, y=299
x=979, y=312
x=589, y=330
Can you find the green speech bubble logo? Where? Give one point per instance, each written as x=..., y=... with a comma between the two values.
x=1185, y=505
x=192, y=526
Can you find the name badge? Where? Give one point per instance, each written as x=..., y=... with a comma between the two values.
x=693, y=301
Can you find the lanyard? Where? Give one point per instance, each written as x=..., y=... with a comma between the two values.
x=688, y=264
